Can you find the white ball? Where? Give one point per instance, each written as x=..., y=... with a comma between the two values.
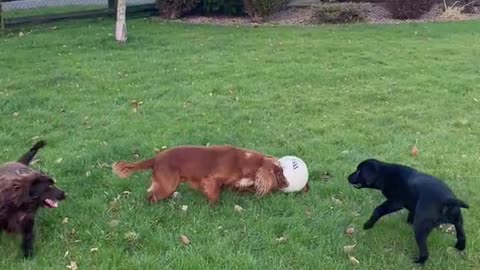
x=295, y=171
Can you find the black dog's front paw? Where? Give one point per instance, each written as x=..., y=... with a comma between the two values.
x=368, y=225
x=28, y=254
x=420, y=260
x=460, y=245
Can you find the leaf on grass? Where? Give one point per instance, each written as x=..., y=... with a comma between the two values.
x=65, y=220
x=350, y=231
x=94, y=249
x=184, y=239
x=59, y=160
x=184, y=207
x=72, y=266
x=414, y=151
x=16, y=114
x=349, y=249
x=337, y=201
x=176, y=194
x=282, y=239
x=353, y=260
x=237, y=208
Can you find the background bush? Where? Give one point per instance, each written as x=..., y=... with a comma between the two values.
x=259, y=9
x=220, y=7
x=409, y=9
x=172, y=9
x=339, y=13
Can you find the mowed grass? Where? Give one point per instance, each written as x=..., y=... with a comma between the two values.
x=332, y=95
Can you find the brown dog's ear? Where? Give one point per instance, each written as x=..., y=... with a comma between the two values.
x=280, y=178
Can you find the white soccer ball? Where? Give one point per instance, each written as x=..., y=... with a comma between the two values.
x=295, y=171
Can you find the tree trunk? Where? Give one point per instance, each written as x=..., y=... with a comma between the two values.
x=121, y=27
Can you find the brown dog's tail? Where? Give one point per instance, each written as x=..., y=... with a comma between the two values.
x=124, y=169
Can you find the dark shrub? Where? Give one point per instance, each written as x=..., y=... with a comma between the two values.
x=339, y=13
x=409, y=9
x=220, y=7
x=172, y=9
x=259, y=9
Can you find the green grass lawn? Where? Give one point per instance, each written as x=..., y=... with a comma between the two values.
x=331, y=95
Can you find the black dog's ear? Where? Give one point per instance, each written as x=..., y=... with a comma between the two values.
x=369, y=172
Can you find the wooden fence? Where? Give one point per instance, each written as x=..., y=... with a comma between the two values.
x=22, y=12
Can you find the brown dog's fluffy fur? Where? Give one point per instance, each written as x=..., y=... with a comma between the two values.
x=208, y=169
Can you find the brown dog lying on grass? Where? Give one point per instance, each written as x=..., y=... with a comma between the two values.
x=208, y=169
x=22, y=192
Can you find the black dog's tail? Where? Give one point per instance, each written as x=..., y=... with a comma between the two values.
x=454, y=202
x=28, y=157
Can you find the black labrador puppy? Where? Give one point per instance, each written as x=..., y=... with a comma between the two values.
x=22, y=192
x=430, y=201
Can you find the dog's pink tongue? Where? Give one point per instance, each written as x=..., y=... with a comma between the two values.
x=51, y=203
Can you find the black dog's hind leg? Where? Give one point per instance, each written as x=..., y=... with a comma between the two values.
x=28, y=157
x=27, y=238
x=383, y=209
x=411, y=214
x=422, y=228
x=458, y=223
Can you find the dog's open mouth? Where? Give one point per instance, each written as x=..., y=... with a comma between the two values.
x=50, y=203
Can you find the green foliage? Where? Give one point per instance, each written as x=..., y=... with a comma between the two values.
x=172, y=9
x=221, y=7
x=339, y=13
x=259, y=9
x=409, y=9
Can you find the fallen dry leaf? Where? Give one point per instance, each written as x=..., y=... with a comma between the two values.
x=16, y=114
x=353, y=260
x=184, y=239
x=337, y=201
x=308, y=213
x=72, y=266
x=126, y=193
x=88, y=173
x=349, y=249
x=114, y=223
x=94, y=249
x=237, y=208
x=176, y=195
x=131, y=236
x=350, y=231
x=65, y=220
x=414, y=151
x=66, y=254
x=281, y=239
x=184, y=207
x=59, y=160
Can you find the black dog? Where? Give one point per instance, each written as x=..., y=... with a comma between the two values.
x=430, y=202
x=22, y=192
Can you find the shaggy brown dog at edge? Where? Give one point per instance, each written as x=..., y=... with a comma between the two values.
x=22, y=192
x=209, y=169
